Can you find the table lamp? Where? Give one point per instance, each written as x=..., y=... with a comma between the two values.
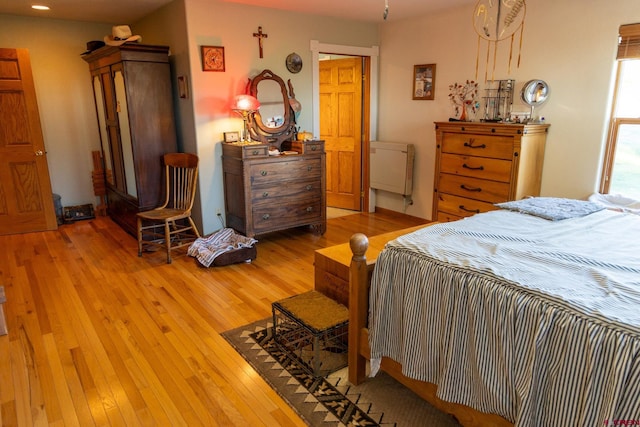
x=245, y=105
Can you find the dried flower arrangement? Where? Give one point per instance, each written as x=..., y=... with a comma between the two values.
x=463, y=96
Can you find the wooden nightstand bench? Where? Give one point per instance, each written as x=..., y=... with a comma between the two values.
x=331, y=264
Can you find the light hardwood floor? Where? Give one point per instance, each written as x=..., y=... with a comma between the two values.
x=98, y=336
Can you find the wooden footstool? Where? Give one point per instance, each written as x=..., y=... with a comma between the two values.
x=312, y=330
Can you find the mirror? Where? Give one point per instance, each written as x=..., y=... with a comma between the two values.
x=274, y=122
x=534, y=93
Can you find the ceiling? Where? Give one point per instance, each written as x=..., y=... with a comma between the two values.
x=129, y=11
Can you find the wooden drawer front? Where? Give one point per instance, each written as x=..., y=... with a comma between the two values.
x=474, y=188
x=270, y=216
x=477, y=167
x=496, y=147
x=447, y=217
x=278, y=172
x=311, y=147
x=305, y=147
x=245, y=151
x=289, y=192
x=249, y=152
x=461, y=206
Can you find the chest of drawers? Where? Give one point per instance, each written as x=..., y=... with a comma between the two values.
x=266, y=193
x=479, y=164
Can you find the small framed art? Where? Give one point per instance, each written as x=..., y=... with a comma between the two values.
x=424, y=81
x=231, y=136
x=183, y=88
x=212, y=58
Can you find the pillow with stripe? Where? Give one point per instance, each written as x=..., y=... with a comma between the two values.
x=552, y=208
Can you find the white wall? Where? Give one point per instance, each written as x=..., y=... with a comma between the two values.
x=570, y=44
x=65, y=97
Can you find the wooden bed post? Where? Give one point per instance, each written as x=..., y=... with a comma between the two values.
x=358, y=305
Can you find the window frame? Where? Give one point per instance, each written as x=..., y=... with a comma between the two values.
x=628, y=49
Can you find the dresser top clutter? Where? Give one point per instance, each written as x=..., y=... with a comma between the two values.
x=479, y=164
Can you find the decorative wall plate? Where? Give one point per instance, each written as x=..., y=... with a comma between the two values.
x=294, y=63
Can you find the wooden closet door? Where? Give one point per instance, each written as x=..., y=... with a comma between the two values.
x=26, y=200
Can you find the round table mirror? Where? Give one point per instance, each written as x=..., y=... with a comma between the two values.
x=534, y=93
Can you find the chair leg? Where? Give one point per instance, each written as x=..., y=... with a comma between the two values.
x=195, y=229
x=167, y=239
x=139, y=236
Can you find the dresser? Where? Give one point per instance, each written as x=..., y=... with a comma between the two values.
x=479, y=164
x=134, y=106
x=264, y=193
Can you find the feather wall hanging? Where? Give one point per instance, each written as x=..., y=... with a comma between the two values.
x=494, y=21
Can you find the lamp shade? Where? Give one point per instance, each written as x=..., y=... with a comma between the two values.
x=245, y=103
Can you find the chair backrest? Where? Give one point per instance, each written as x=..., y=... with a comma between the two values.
x=182, y=179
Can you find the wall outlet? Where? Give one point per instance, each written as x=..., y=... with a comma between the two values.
x=219, y=212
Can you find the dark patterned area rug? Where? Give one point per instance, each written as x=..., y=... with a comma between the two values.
x=332, y=400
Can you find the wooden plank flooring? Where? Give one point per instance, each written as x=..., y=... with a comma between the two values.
x=98, y=336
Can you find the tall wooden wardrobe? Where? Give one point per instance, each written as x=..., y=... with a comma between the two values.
x=132, y=89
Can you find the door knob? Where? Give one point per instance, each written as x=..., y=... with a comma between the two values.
x=39, y=153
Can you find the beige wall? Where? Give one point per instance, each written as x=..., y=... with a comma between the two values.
x=568, y=43
x=65, y=97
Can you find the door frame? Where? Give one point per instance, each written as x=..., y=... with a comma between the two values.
x=372, y=53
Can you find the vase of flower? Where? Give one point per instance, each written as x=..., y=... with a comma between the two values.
x=463, y=113
x=463, y=97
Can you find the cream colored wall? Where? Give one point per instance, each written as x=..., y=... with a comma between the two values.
x=65, y=97
x=569, y=43
x=168, y=26
x=232, y=26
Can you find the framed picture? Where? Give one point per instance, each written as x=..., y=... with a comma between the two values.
x=183, y=88
x=424, y=81
x=231, y=136
x=212, y=58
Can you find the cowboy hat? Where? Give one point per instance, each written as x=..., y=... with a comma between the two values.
x=120, y=35
x=93, y=45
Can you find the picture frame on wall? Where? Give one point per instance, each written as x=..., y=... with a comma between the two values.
x=424, y=81
x=212, y=58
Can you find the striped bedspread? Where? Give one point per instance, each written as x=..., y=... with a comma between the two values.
x=534, y=320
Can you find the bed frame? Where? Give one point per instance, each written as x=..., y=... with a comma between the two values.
x=359, y=282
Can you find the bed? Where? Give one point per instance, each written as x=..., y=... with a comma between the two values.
x=507, y=318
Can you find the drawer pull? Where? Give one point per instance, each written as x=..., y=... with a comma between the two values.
x=479, y=168
x=309, y=168
x=266, y=216
x=474, y=189
x=313, y=148
x=470, y=144
x=308, y=187
x=310, y=209
x=263, y=173
x=255, y=152
x=461, y=207
x=265, y=194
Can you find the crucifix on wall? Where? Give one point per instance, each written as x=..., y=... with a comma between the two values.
x=260, y=35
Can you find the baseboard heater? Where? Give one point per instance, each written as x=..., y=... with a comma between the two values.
x=391, y=166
